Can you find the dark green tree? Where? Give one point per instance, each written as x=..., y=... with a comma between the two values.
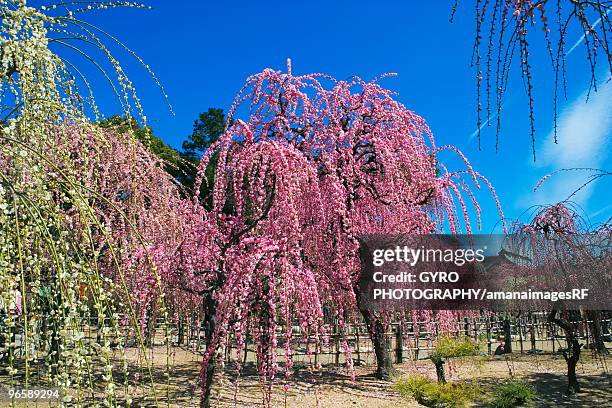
x=207, y=129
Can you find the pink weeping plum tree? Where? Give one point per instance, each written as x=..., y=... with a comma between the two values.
x=142, y=218
x=564, y=247
x=143, y=215
x=317, y=163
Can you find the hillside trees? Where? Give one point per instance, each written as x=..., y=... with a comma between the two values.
x=207, y=129
x=144, y=134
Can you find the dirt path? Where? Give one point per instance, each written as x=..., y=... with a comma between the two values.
x=332, y=387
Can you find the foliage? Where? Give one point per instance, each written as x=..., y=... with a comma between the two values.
x=207, y=129
x=182, y=165
x=512, y=393
x=432, y=394
x=448, y=347
x=183, y=171
x=413, y=386
x=144, y=134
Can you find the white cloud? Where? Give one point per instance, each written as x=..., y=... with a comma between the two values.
x=584, y=129
x=582, y=37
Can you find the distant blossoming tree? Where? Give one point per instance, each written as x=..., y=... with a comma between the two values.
x=565, y=249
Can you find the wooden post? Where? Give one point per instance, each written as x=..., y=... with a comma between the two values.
x=228, y=348
x=587, y=331
x=246, y=351
x=181, y=331
x=552, y=335
x=417, y=335
x=532, y=337
x=399, y=344
x=337, y=344
x=357, y=343
x=520, y=332
x=489, y=335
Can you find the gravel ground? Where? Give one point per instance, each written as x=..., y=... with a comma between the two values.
x=332, y=387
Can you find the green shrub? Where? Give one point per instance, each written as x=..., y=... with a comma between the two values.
x=448, y=347
x=412, y=386
x=432, y=394
x=512, y=393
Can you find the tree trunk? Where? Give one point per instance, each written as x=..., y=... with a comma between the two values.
x=572, y=355
x=376, y=328
x=181, y=332
x=507, y=336
x=384, y=364
x=150, y=328
x=210, y=307
x=594, y=316
x=399, y=344
x=572, y=380
x=262, y=308
x=439, y=363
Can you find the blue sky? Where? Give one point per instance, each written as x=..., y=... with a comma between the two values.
x=202, y=51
